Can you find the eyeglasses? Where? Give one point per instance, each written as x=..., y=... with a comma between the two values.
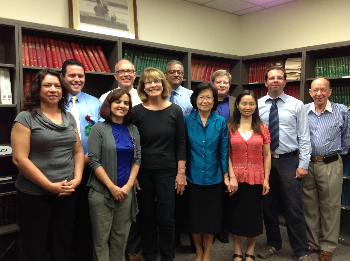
x=122, y=72
x=318, y=90
x=201, y=98
x=221, y=82
x=272, y=78
x=174, y=71
x=155, y=82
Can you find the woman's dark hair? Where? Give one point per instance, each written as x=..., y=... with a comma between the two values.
x=32, y=100
x=235, y=120
x=201, y=87
x=105, y=110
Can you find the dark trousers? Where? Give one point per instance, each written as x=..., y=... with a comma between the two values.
x=82, y=236
x=134, y=240
x=156, y=203
x=46, y=226
x=284, y=185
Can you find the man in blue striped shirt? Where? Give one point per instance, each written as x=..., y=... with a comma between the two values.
x=322, y=187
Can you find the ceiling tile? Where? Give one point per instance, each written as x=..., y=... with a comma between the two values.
x=249, y=10
x=199, y=1
x=230, y=6
x=276, y=2
x=258, y=2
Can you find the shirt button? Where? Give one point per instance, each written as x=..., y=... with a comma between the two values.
x=203, y=156
x=203, y=140
x=203, y=163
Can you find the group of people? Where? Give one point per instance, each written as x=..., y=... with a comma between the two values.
x=101, y=181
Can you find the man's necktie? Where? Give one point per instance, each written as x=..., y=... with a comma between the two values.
x=172, y=96
x=75, y=112
x=274, y=125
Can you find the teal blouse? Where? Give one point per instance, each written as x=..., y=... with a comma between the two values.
x=207, y=149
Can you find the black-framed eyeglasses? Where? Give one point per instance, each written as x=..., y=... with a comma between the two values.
x=176, y=71
x=122, y=72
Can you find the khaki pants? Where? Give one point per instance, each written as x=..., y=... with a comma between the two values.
x=110, y=228
x=322, y=189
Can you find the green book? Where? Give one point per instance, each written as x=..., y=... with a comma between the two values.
x=136, y=60
x=132, y=53
x=126, y=54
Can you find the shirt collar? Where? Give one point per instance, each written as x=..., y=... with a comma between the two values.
x=225, y=99
x=178, y=90
x=79, y=96
x=283, y=97
x=327, y=108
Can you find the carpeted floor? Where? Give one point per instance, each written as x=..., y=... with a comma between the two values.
x=224, y=252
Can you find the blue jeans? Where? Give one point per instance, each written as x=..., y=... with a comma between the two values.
x=285, y=186
x=156, y=201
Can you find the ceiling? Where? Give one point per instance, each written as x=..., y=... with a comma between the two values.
x=240, y=7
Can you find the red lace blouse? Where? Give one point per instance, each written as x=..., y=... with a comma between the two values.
x=247, y=156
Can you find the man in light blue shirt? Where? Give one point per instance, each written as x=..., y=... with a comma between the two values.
x=73, y=72
x=290, y=154
x=322, y=187
x=181, y=96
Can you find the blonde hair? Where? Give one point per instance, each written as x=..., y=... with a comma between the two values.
x=155, y=74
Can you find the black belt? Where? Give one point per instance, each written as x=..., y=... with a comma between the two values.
x=278, y=156
x=326, y=159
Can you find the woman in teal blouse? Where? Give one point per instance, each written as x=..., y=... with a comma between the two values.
x=207, y=163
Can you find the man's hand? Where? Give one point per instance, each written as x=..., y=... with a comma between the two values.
x=301, y=173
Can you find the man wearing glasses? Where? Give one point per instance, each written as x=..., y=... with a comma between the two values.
x=222, y=81
x=125, y=75
x=290, y=152
x=181, y=96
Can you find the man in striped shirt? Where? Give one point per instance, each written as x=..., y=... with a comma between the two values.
x=322, y=187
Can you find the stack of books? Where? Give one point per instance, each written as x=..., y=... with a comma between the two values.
x=47, y=52
x=333, y=67
x=293, y=68
x=202, y=70
x=341, y=94
x=259, y=91
x=5, y=86
x=142, y=60
x=28, y=78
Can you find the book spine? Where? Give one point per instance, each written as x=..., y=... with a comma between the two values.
x=97, y=57
x=75, y=52
x=92, y=59
x=34, y=52
x=26, y=50
x=63, y=53
x=58, y=53
x=23, y=52
x=38, y=51
x=42, y=50
x=87, y=59
x=48, y=52
x=66, y=50
x=104, y=60
x=30, y=48
x=83, y=61
x=53, y=53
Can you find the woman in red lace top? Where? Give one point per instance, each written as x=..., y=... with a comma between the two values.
x=250, y=164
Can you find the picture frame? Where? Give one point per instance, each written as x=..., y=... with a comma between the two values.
x=110, y=17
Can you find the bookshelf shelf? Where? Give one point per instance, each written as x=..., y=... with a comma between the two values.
x=346, y=207
x=8, y=105
x=346, y=177
x=7, y=65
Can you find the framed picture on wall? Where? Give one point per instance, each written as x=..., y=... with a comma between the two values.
x=111, y=17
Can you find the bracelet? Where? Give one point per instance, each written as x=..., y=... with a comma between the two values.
x=226, y=178
x=181, y=168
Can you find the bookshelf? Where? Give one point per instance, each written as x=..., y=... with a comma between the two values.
x=8, y=112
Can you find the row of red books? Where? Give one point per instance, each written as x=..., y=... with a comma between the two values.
x=47, y=52
x=202, y=70
x=290, y=89
x=256, y=72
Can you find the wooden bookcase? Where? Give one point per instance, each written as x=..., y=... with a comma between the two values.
x=8, y=217
x=114, y=48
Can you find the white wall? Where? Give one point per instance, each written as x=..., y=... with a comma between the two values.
x=176, y=22
x=296, y=24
